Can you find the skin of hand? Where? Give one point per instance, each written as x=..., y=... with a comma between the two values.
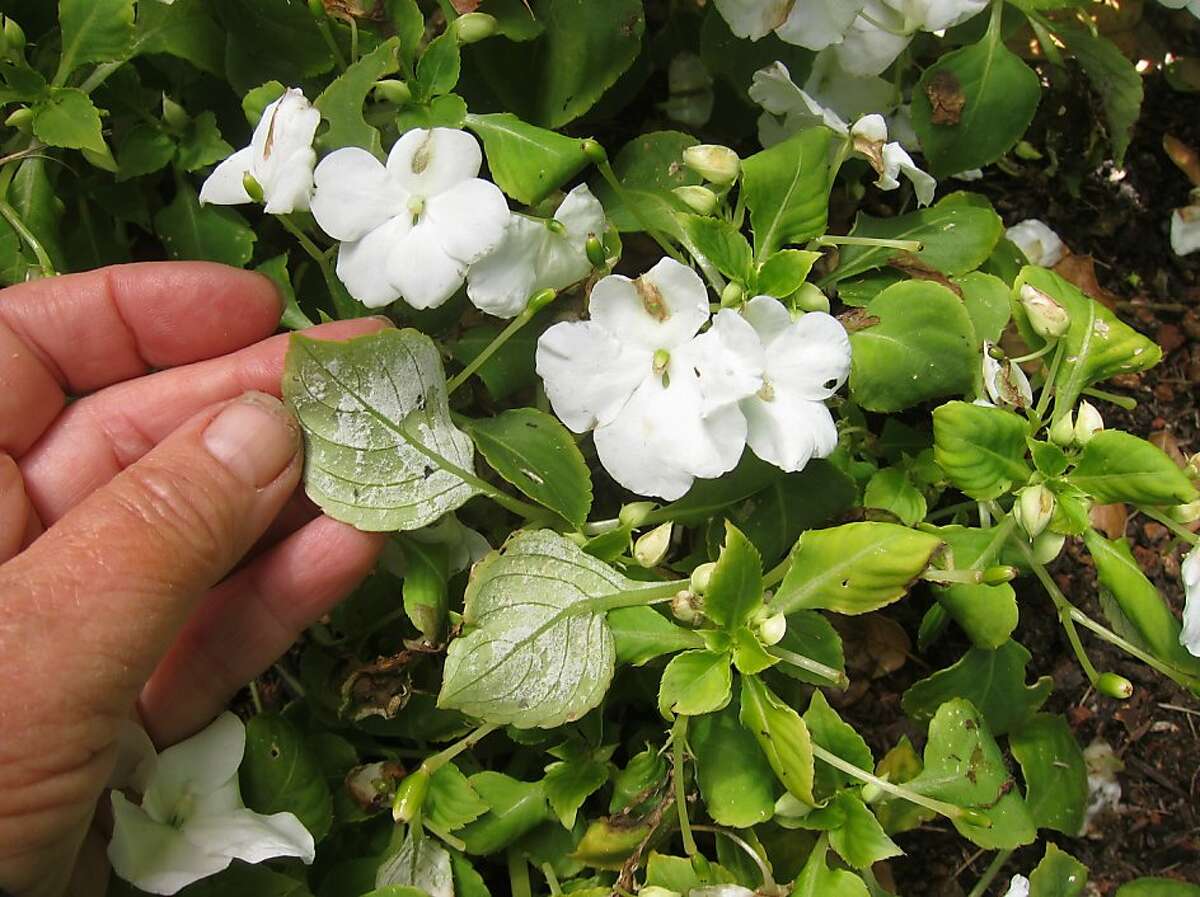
x=155, y=554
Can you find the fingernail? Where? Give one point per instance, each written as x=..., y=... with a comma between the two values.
x=384, y=320
x=254, y=437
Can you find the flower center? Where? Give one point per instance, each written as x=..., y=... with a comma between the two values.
x=416, y=205
x=555, y=227
x=766, y=392
x=652, y=299
x=662, y=358
x=184, y=807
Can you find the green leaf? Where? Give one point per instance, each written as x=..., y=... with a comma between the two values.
x=817, y=880
x=527, y=162
x=189, y=230
x=438, y=68
x=293, y=317
x=1116, y=466
x=1097, y=346
x=183, y=28
x=986, y=300
x=891, y=490
x=981, y=449
x=280, y=774
x=838, y=737
x=785, y=272
x=1114, y=78
x=694, y=683
x=381, y=453
x=93, y=31
x=144, y=150
x=426, y=598
x=649, y=167
x=679, y=873
x=749, y=655
x=451, y=802
x=954, y=238
x=782, y=735
x=1158, y=887
x=810, y=635
x=707, y=498
x=645, y=772
x=538, y=455
x=721, y=243
x=69, y=119
x=740, y=794
x=786, y=188
x=515, y=809
x=987, y=614
x=1139, y=602
x=1056, y=786
x=570, y=782
x=1059, y=875
x=922, y=348
x=642, y=634
x=993, y=681
x=556, y=78
x=202, y=144
x=271, y=40
x=860, y=840
x=33, y=196
x=421, y=863
x=538, y=652
x=854, y=568
x=341, y=103
x=735, y=590
x=973, y=105
x=899, y=766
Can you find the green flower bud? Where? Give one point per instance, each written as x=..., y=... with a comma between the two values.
x=1088, y=423
x=994, y=576
x=871, y=793
x=658, y=891
x=702, y=867
x=1034, y=508
x=14, y=38
x=702, y=578
x=635, y=513
x=974, y=817
x=1114, y=686
x=540, y=300
x=474, y=27
x=317, y=8
x=1188, y=513
x=1048, y=319
x=700, y=200
x=685, y=607
x=1048, y=546
x=1062, y=433
x=174, y=114
x=594, y=151
x=712, y=162
x=596, y=253
x=392, y=91
x=21, y=119
x=252, y=187
x=732, y=295
x=772, y=630
x=810, y=298
x=410, y=796
x=650, y=548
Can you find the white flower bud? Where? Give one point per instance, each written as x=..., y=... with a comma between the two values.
x=1088, y=423
x=685, y=607
x=712, y=162
x=473, y=27
x=1034, y=508
x=700, y=200
x=702, y=577
x=772, y=630
x=1062, y=433
x=1048, y=319
x=652, y=547
x=635, y=513
x=810, y=298
x=1048, y=546
x=1188, y=513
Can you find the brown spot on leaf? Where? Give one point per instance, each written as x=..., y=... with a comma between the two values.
x=858, y=319
x=946, y=98
x=910, y=264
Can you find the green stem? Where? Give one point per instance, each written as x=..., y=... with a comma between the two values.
x=678, y=742
x=518, y=874
x=1045, y=350
x=951, y=510
x=836, y=677
x=327, y=34
x=99, y=75
x=438, y=760
x=1048, y=385
x=551, y=880
x=642, y=597
x=950, y=811
x=628, y=201
x=990, y=873
x=314, y=252
x=971, y=576
x=450, y=840
x=255, y=697
x=764, y=870
x=513, y=328
x=1125, y=402
x=27, y=236
x=775, y=575
x=1149, y=659
x=290, y=680
x=1174, y=526
x=903, y=245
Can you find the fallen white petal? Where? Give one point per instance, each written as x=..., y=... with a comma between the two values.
x=1039, y=243
x=1190, y=570
x=1185, y=230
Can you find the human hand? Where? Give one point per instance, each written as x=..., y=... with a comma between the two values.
x=124, y=516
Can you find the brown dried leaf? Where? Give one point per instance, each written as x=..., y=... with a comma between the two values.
x=1184, y=156
x=908, y=263
x=1110, y=519
x=1166, y=441
x=1081, y=271
x=858, y=319
x=946, y=98
x=462, y=7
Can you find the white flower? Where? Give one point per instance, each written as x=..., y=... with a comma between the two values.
x=1041, y=245
x=890, y=159
x=850, y=96
x=812, y=24
x=633, y=374
x=1018, y=887
x=804, y=362
x=1192, y=6
x=1190, y=636
x=411, y=229
x=1005, y=382
x=192, y=822
x=537, y=255
x=886, y=27
x=280, y=158
x=1185, y=228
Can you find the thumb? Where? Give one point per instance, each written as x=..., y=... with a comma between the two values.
x=94, y=603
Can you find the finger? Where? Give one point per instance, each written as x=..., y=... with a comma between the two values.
x=102, y=434
x=94, y=603
x=249, y=621
x=83, y=331
x=15, y=512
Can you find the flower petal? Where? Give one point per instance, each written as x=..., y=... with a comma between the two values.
x=868, y=49
x=773, y=89
x=788, y=431
x=937, y=15
x=896, y=160
x=1037, y=241
x=727, y=358
x=769, y=318
x=427, y=162
x=470, y=219
x=581, y=214
x=754, y=18
x=196, y=766
x=1185, y=230
x=811, y=359
x=283, y=155
x=363, y=265
x=154, y=857
x=816, y=24
x=422, y=271
x=291, y=187
x=226, y=185
x=501, y=282
x=1190, y=636
x=662, y=309
x=354, y=194
x=252, y=837
x=589, y=374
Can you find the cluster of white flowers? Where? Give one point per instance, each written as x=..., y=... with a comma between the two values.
x=417, y=227
x=191, y=822
x=789, y=108
x=668, y=403
x=866, y=35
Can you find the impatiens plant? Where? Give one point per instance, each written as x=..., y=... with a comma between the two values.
x=703, y=427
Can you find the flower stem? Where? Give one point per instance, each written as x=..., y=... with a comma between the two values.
x=344, y=304
x=327, y=34
x=836, y=677
x=942, y=808
x=1045, y=350
x=1125, y=402
x=513, y=328
x=775, y=575
x=518, y=874
x=1149, y=659
x=28, y=237
x=678, y=741
x=551, y=880
x=438, y=760
x=764, y=870
x=610, y=176
x=990, y=873
x=1048, y=385
x=903, y=245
